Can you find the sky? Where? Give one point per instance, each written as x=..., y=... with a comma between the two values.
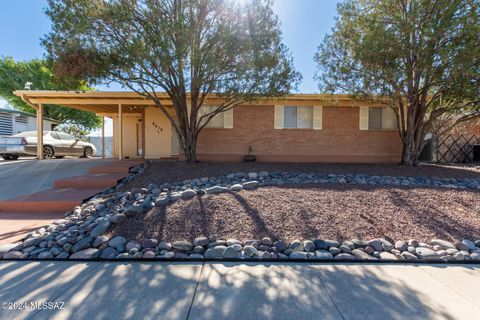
x=304, y=24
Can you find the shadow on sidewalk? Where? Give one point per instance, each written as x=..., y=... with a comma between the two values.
x=154, y=290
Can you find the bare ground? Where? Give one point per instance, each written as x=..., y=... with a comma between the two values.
x=308, y=212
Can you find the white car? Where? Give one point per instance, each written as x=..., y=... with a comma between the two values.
x=55, y=144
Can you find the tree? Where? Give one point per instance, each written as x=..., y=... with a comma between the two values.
x=420, y=57
x=189, y=49
x=14, y=76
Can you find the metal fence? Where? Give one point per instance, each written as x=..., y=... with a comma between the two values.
x=456, y=148
x=97, y=142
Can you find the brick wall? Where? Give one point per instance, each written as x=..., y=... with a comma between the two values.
x=340, y=140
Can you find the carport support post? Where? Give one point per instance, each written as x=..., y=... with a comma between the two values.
x=40, y=131
x=103, y=137
x=120, y=129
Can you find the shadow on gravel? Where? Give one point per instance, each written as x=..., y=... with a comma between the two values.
x=330, y=211
x=137, y=290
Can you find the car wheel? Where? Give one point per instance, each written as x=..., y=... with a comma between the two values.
x=88, y=152
x=14, y=157
x=48, y=152
x=6, y=157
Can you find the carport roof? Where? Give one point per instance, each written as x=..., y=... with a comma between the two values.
x=108, y=101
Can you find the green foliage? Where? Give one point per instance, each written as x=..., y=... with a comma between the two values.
x=200, y=47
x=423, y=55
x=73, y=130
x=14, y=75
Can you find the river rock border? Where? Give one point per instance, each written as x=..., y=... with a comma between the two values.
x=81, y=234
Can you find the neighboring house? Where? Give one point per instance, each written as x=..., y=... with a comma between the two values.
x=13, y=121
x=297, y=128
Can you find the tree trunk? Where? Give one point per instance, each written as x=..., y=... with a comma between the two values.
x=189, y=145
x=411, y=147
x=407, y=153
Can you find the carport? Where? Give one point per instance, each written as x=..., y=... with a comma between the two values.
x=118, y=105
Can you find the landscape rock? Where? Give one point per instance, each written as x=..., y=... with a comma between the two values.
x=118, y=218
x=250, y=185
x=475, y=256
x=200, y=241
x=280, y=245
x=188, y=194
x=362, y=255
x=357, y=243
x=100, y=229
x=387, y=256
x=376, y=245
x=161, y=201
x=4, y=248
x=443, y=244
x=249, y=251
x=13, y=255
x=236, y=187
x=308, y=246
x=117, y=241
x=296, y=245
x=216, y=190
x=252, y=175
x=345, y=249
x=409, y=256
x=148, y=255
x=133, y=245
x=90, y=253
x=82, y=244
x=133, y=210
x=323, y=254
x=298, y=255
x=344, y=256
x=401, y=245
x=230, y=252
x=165, y=246
x=183, y=245
x=426, y=253
x=149, y=243
x=469, y=245
x=215, y=252
x=109, y=253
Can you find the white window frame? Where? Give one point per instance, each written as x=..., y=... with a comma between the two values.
x=316, y=118
x=227, y=116
x=364, y=119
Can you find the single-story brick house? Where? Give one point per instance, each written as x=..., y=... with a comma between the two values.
x=296, y=128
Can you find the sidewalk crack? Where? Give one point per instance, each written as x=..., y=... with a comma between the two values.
x=195, y=291
x=324, y=287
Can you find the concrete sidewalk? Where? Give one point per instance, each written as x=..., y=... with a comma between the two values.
x=137, y=290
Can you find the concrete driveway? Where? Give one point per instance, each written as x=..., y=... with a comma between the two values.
x=156, y=290
x=26, y=176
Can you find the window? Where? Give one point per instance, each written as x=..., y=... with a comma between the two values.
x=381, y=118
x=298, y=117
x=54, y=135
x=65, y=136
x=217, y=121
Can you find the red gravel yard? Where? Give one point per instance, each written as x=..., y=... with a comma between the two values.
x=327, y=212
